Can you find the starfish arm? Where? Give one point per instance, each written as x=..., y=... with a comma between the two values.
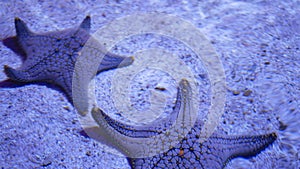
x=21, y=28
x=25, y=38
x=218, y=151
x=86, y=24
x=112, y=61
x=215, y=152
x=154, y=128
x=242, y=146
x=35, y=75
x=149, y=146
x=18, y=75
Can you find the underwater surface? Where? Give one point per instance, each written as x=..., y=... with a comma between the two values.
x=257, y=42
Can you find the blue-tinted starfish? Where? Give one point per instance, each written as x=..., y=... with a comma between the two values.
x=51, y=56
x=213, y=153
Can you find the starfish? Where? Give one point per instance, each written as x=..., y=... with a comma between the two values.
x=188, y=152
x=51, y=57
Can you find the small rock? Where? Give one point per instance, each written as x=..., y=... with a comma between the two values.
x=160, y=88
x=250, y=100
x=247, y=92
x=47, y=163
x=67, y=108
x=88, y=153
x=282, y=126
x=246, y=113
x=236, y=92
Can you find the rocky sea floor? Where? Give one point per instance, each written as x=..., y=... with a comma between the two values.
x=257, y=41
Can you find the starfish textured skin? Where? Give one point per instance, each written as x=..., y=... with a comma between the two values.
x=213, y=153
x=156, y=127
x=51, y=56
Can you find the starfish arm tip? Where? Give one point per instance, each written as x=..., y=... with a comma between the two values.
x=17, y=19
x=132, y=58
x=112, y=61
x=127, y=61
x=15, y=75
x=86, y=23
x=253, y=145
x=21, y=28
x=10, y=72
x=88, y=17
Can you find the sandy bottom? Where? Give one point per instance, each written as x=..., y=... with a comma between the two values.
x=258, y=43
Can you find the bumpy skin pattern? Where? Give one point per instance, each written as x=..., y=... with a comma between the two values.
x=154, y=128
x=214, y=153
x=51, y=56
